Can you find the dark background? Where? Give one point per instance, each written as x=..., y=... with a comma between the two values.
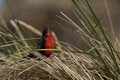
x=40, y=13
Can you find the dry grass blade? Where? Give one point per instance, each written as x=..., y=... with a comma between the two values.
x=110, y=19
x=33, y=29
x=58, y=45
x=18, y=31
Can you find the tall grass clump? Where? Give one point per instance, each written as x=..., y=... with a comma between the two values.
x=99, y=62
x=103, y=50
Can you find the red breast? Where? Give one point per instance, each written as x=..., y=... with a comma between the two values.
x=49, y=42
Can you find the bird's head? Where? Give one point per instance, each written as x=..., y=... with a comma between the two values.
x=47, y=31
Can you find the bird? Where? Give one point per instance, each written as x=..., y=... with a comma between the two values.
x=47, y=42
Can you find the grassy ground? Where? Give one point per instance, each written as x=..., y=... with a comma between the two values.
x=62, y=65
x=99, y=62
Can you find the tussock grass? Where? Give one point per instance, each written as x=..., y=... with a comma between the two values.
x=60, y=66
x=65, y=63
x=99, y=62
